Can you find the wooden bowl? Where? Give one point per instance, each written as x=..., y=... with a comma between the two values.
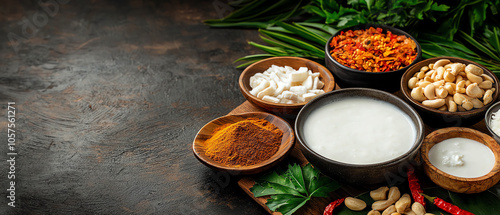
x=439, y=119
x=206, y=132
x=295, y=63
x=454, y=183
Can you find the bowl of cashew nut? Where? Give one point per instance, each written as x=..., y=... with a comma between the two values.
x=449, y=91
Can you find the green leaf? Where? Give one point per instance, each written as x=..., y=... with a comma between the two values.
x=269, y=49
x=294, y=41
x=303, y=32
x=283, y=188
x=478, y=45
x=253, y=57
x=481, y=203
x=323, y=27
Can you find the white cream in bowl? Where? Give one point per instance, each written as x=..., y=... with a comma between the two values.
x=359, y=130
x=462, y=157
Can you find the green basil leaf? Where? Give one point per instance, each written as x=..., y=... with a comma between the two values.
x=480, y=204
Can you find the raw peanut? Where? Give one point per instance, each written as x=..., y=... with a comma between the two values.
x=354, y=204
x=373, y=212
x=403, y=203
x=409, y=212
x=434, y=103
x=391, y=209
x=379, y=194
x=418, y=208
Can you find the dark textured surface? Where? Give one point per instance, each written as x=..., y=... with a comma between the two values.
x=109, y=96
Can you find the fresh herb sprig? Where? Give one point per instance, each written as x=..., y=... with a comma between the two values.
x=292, y=189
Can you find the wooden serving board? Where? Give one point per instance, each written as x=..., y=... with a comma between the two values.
x=317, y=205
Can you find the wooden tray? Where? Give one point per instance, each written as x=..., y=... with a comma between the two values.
x=317, y=205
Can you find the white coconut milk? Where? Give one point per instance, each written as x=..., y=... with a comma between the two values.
x=462, y=157
x=359, y=130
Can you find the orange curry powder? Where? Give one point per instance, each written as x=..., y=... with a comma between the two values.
x=244, y=143
x=371, y=50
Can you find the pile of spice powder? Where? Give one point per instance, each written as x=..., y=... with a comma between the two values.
x=371, y=50
x=244, y=143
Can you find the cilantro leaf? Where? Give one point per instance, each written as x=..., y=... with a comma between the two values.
x=293, y=188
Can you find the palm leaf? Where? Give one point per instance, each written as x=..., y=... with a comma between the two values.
x=303, y=32
x=299, y=43
x=478, y=45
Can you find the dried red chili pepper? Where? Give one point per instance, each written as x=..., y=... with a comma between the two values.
x=415, y=187
x=446, y=206
x=329, y=209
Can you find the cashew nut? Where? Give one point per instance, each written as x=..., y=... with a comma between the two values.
x=429, y=91
x=476, y=103
x=450, y=87
x=354, y=204
x=420, y=75
x=434, y=103
x=459, y=98
x=474, y=78
x=439, y=73
x=373, y=212
x=473, y=69
x=486, y=84
x=467, y=104
x=441, y=92
x=456, y=68
x=440, y=62
x=424, y=69
x=394, y=195
x=396, y=213
x=452, y=106
x=391, y=209
x=443, y=108
x=423, y=83
x=418, y=94
x=488, y=97
x=448, y=76
x=379, y=194
x=418, y=208
x=412, y=83
x=487, y=78
x=403, y=203
x=473, y=91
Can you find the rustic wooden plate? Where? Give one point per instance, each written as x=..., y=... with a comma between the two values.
x=206, y=132
x=454, y=183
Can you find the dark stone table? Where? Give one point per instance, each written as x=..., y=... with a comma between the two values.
x=108, y=97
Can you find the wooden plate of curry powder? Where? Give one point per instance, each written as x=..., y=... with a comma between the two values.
x=244, y=144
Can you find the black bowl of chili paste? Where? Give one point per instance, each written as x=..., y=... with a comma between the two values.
x=383, y=80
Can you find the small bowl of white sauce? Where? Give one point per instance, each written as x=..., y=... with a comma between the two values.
x=461, y=160
x=360, y=135
x=492, y=121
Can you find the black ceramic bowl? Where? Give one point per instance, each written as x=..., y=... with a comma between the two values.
x=360, y=174
x=488, y=117
x=348, y=77
x=440, y=119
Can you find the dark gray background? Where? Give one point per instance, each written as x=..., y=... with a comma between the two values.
x=109, y=97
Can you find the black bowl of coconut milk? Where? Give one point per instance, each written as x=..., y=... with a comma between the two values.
x=360, y=135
